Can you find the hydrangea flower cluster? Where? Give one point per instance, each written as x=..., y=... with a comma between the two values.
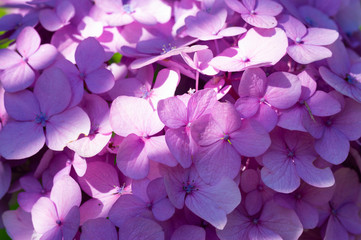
x=178, y=120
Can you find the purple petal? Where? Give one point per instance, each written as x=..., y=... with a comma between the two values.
x=199, y=103
x=28, y=42
x=132, y=158
x=9, y=58
x=349, y=119
x=335, y=230
x=98, y=229
x=284, y=90
x=86, y=60
x=22, y=106
x=251, y=139
x=50, y=20
x=141, y=228
x=27, y=200
x=180, y=145
x=5, y=177
x=18, y=224
x=253, y=83
x=66, y=127
x=322, y=104
x=260, y=21
x=186, y=232
x=349, y=218
x=314, y=176
x=43, y=57
x=21, y=139
x=320, y=36
x=305, y=54
x=65, y=10
x=308, y=214
x=163, y=209
x=71, y=223
x=333, y=146
x=100, y=80
x=266, y=116
x=281, y=176
x=53, y=91
x=247, y=106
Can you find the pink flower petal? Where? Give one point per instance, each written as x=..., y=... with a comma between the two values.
x=157, y=150
x=44, y=215
x=66, y=127
x=65, y=194
x=320, y=36
x=9, y=58
x=90, y=146
x=322, y=104
x=165, y=85
x=21, y=139
x=253, y=83
x=180, y=144
x=28, y=42
x=172, y=112
x=17, y=77
x=18, y=224
x=43, y=57
x=132, y=158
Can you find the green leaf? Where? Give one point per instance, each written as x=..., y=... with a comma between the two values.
x=117, y=57
x=4, y=235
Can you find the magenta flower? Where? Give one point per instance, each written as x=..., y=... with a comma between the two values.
x=258, y=13
x=149, y=199
x=289, y=159
x=58, y=217
x=46, y=108
x=210, y=202
x=178, y=114
x=135, y=119
x=253, y=50
x=223, y=135
x=260, y=96
x=273, y=222
x=308, y=43
x=17, y=69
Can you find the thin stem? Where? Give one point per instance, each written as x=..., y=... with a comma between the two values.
x=197, y=80
x=217, y=47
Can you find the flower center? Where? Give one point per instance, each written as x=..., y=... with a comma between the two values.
x=41, y=119
x=253, y=12
x=128, y=9
x=350, y=79
x=255, y=221
x=167, y=48
x=58, y=222
x=189, y=187
x=299, y=40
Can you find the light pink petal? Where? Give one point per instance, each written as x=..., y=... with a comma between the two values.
x=268, y=8
x=180, y=145
x=79, y=165
x=90, y=146
x=206, y=131
x=320, y=36
x=157, y=150
x=28, y=42
x=71, y=223
x=232, y=31
x=308, y=83
x=253, y=83
x=251, y=139
x=65, y=194
x=199, y=103
x=305, y=54
x=292, y=26
x=322, y=104
x=8, y=58
x=163, y=209
x=333, y=146
x=165, y=85
x=266, y=116
x=284, y=90
x=53, y=91
x=22, y=106
x=230, y=60
x=86, y=60
x=44, y=215
x=88, y=27
x=100, y=80
x=210, y=168
x=236, y=6
x=21, y=139
x=132, y=115
x=5, y=177
x=99, y=179
x=17, y=77
x=141, y=228
x=260, y=21
x=53, y=234
x=172, y=112
x=50, y=20
x=98, y=229
x=66, y=127
x=132, y=158
x=212, y=203
x=186, y=232
x=18, y=224
x=43, y=57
